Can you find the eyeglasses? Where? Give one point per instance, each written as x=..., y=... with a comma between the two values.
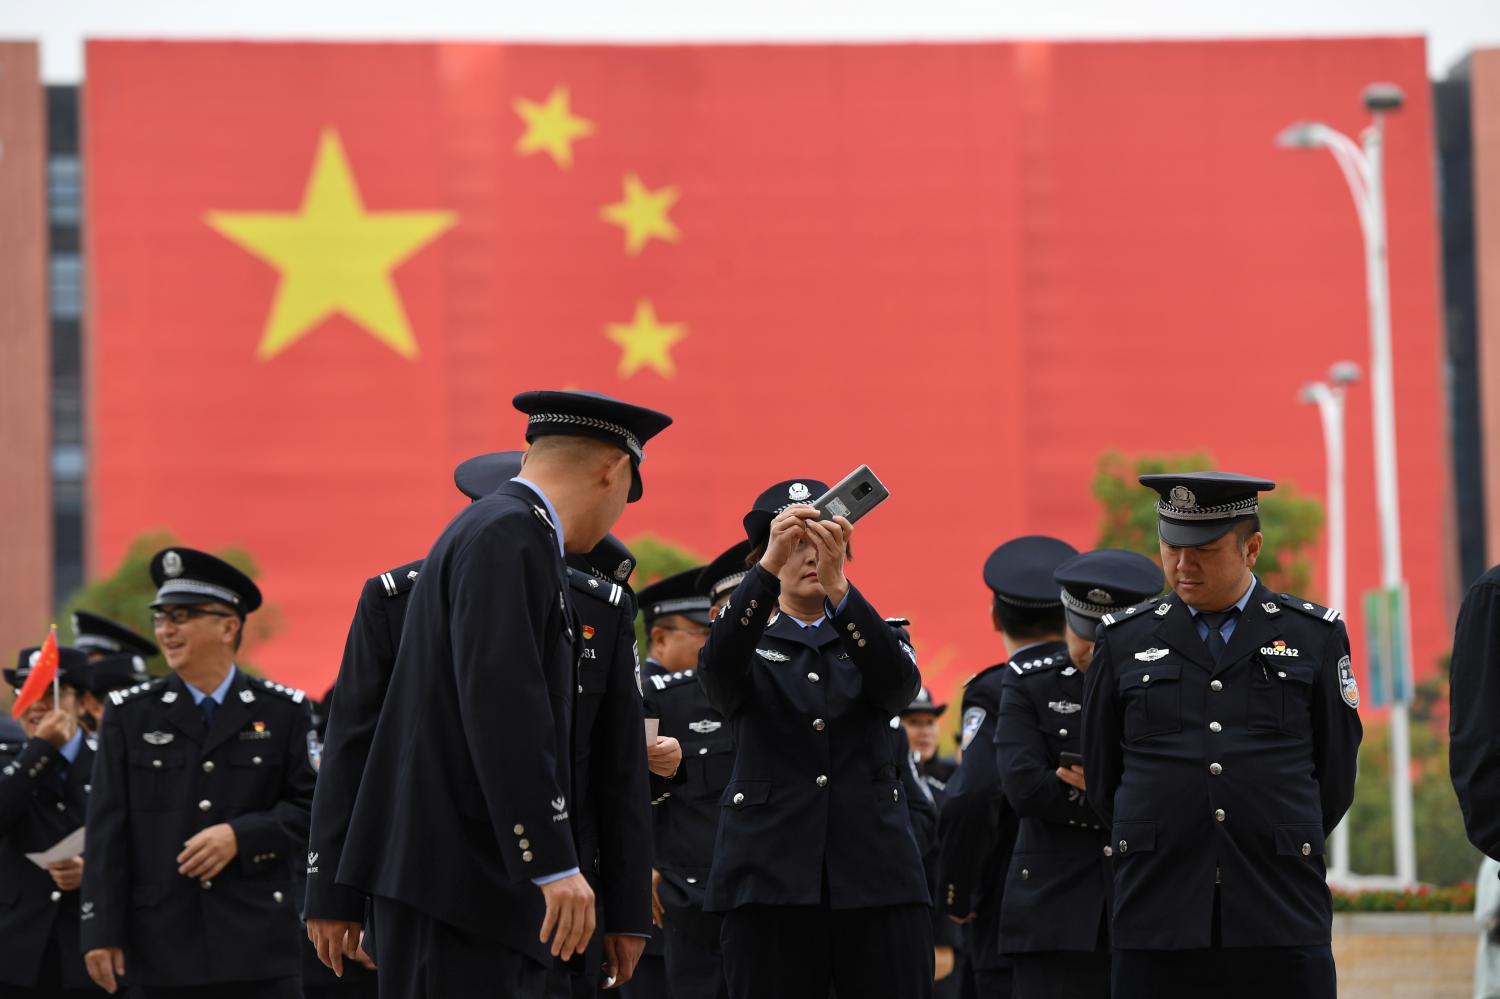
x=182, y=615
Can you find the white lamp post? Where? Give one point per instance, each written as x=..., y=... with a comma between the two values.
x=1362, y=167
x=1329, y=398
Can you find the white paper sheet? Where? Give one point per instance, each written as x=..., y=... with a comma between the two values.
x=653, y=725
x=70, y=845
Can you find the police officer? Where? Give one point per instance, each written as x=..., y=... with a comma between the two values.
x=118, y=654
x=675, y=612
x=977, y=825
x=336, y=914
x=612, y=823
x=686, y=812
x=815, y=867
x=44, y=785
x=1054, y=915
x=1220, y=734
x=202, y=786
x=467, y=846
x=920, y=719
x=1474, y=712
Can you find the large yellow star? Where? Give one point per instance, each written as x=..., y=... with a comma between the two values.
x=646, y=342
x=334, y=256
x=642, y=214
x=551, y=127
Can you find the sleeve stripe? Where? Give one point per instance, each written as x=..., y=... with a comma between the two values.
x=389, y=583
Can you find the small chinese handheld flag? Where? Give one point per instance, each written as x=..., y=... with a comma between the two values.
x=43, y=675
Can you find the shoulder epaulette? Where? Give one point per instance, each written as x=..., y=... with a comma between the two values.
x=1308, y=607
x=601, y=589
x=118, y=697
x=396, y=581
x=271, y=687
x=664, y=681
x=1115, y=617
x=898, y=622
x=1021, y=667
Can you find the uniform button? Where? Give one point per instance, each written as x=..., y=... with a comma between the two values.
x=851, y=626
x=1306, y=849
x=1217, y=685
x=57, y=896
x=861, y=643
x=819, y=725
x=1215, y=727
x=526, y=856
x=519, y=830
x=744, y=620
x=206, y=885
x=1281, y=673
x=62, y=806
x=754, y=604
x=208, y=766
x=703, y=751
x=580, y=688
x=1062, y=732
x=1215, y=769
x=524, y=844
x=1219, y=814
x=156, y=764
x=276, y=895
x=1109, y=851
x=822, y=780
x=813, y=677
x=739, y=797
x=1145, y=677
x=692, y=881
x=205, y=805
x=1025, y=874
x=1124, y=846
x=856, y=634
x=895, y=794
x=255, y=760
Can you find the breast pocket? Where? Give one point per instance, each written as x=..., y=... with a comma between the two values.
x=710, y=764
x=254, y=770
x=1153, y=700
x=1281, y=695
x=156, y=779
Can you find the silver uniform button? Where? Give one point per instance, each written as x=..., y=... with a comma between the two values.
x=208, y=766
x=1062, y=732
x=62, y=806
x=1306, y=849
x=813, y=677
x=526, y=856
x=1109, y=851
x=206, y=885
x=703, y=751
x=739, y=797
x=1025, y=874
x=856, y=634
x=1219, y=814
x=1145, y=677
x=692, y=881
x=895, y=794
x=861, y=643
x=205, y=805
x=255, y=760
x=822, y=780
x=57, y=896
x=819, y=725
x=276, y=895
x=851, y=626
x=525, y=844
x=1215, y=769
x=156, y=764
x=1217, y=685
x=1124, y=846
x=519, y=830
x=1215, y=727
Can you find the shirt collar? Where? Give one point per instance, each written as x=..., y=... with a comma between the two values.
x=1032, y=645
x=1239, y=604
x=219, y=692
x=70, y=748
x=551, y=511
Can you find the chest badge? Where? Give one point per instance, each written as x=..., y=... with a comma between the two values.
x=588, y=633
x=1065, y=707
x=257, y=730
x=1163, y=609
x=1279, y=648
x=1271, y=607
x=158, y=738
x=706, y=726
x=771, y=655
x=1151, y=655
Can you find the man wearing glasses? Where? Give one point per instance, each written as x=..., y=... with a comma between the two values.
x=201, y=792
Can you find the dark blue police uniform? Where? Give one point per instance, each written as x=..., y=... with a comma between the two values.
x=1221, y=765
x=815, y=864
x=1474, y=712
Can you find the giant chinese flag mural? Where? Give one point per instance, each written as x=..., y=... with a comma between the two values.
x=320, y=273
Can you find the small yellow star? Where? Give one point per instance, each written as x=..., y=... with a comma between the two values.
x=334, y=255
x=551, y=127
x=646, y=342
x=642, y=214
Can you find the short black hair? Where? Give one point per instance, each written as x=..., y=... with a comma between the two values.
x=1029, y=622
x=1246, y=527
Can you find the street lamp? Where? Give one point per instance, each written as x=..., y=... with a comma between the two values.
x=1328, y=396
x=1362, y=166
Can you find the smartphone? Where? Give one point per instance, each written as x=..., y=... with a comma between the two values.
x=1069, y=760
x=856, y=494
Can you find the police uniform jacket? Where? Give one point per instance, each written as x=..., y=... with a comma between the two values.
x=610, y=780
x=686, y=806
x=159, y=778
x=815, y=798
x=1474, y=751
x=43, y=798
x=936, y=772
x=1059, y=868
x=469, y=797
x=364, y=675
x=976, y=826
x=1230, y=774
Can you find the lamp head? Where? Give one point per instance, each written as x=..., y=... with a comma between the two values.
x=1344, y=373
x=1383, y=97
x=1300, y=135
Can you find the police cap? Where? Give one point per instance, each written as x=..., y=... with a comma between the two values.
x=675, y=594
x=609, y=559
x=72, y=665
x=923, y=703
x=774, y=500
x=484, y=473
x=115, y=672
x=1098, y=582
x=186, y=576
x=1019, y=572
x=590, y=414
x=96, y=633
x=1198, y=508
x=719, y=578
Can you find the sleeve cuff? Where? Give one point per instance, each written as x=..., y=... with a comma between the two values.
x=548, y=879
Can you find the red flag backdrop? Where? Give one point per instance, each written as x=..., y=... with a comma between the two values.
x=320, y=272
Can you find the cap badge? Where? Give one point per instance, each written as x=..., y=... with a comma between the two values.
x=76, y=629
x=171, y=564
x=622, y=572
x=35, y=658
x=1182, y=498
x=1103, y=597
x=799, y=493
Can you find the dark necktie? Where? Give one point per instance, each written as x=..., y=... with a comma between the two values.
x=207, y=707
x=1215, y=638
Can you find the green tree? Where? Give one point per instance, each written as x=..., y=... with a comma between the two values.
x=655, y=559
x=1290, y=520
x=125, y=595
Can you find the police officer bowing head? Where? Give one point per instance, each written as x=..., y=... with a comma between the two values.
x=815, y=864
x=1219, y=742
x=676, y=617
x=1096, y=583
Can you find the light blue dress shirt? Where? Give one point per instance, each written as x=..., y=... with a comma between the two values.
x=70, y=748
x=1227, y=628
x=219, y=693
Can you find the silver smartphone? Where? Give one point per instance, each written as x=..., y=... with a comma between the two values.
x=856, y=494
